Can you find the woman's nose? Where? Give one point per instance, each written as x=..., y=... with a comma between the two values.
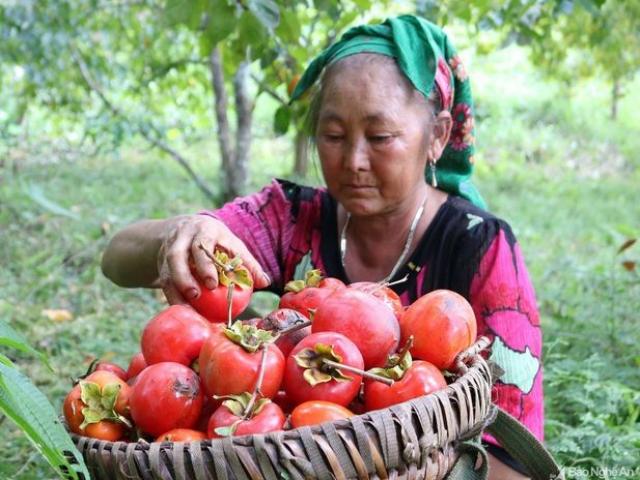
x=355, y=156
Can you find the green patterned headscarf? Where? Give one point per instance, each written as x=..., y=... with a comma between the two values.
x=426, y=57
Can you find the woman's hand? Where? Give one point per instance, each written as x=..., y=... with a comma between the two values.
x=188, y=237
x=156, y=253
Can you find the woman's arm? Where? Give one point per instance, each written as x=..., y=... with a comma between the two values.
x=156, y=253
x=131, y=257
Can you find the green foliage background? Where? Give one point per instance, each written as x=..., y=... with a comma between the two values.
x=550, y=161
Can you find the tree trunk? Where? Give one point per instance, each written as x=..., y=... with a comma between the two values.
x=302, y=158
x=239, y=176
x=615, y=96
x=235, y=161
x=220, y=106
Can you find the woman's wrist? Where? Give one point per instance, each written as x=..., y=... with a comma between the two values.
x=130, y=259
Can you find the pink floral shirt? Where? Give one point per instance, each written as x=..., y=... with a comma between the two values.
x=291, y=228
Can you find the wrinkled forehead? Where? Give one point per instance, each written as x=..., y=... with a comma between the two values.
x=367, y=74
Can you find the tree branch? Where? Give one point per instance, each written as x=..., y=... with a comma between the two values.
x=142, y=129
x=266, y=88
x=163, y=70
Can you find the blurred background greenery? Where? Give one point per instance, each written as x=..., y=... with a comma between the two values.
x=110, y=113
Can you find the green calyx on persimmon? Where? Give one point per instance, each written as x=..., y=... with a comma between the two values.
x=397, y=364
x=312, y=278
x=100, y=403
x=249, y=337
x=313, y=360
x=231, y=271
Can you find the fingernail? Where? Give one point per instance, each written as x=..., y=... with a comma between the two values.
x=210, y=283
x=191, y=293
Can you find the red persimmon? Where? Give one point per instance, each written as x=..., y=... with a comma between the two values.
x=181, y=435
x=306, y=295
x=442, y=323
x=282, y=319
x=213, y=304
x=136, y=365
x=113, y=368
x=384, y=293
x=308, y=377
x=166, y=395
x=331, y=283
x=231, y=366
x=362, y=318
x=227, y=421
x=98, y=406
x=174, y=335
x=421, y=378
x=315, y=412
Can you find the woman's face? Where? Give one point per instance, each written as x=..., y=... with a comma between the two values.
x=372, y=135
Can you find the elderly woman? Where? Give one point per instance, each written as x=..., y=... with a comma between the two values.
x=391, y=118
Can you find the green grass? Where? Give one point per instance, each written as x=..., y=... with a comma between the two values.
x=552, y=164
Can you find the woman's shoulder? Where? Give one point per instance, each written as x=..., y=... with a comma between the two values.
x=473, y=223
x=457, y=241
x=296, y=192
x=278, y=198
x=302, y=199
x=288, y=189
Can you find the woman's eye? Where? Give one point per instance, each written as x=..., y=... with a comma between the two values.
x=332, y=137
x=380, y=138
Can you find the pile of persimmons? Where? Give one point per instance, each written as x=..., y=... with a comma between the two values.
x=328, y=352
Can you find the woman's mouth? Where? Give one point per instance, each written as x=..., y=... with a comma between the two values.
x=355, y=186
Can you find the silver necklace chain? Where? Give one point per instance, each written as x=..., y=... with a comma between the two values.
x=405, y=249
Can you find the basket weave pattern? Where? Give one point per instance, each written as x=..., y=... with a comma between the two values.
x=412, y=440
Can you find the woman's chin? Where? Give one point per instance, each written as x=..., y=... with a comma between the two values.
x=360, y=206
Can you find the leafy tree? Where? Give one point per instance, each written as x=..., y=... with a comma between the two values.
x=150, y=68
x=567, y=39
x=107, y=71
x=593, y=41
x=105, y=66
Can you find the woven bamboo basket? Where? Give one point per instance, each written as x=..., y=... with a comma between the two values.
x=418, y=439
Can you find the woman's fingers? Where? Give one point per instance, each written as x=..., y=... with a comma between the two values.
x=213, y=233
x=171, y=293
x=173, y=296
x=177, y=262
x=195, y=240
x=202, y=249
x=205, y=267
x=260, y=278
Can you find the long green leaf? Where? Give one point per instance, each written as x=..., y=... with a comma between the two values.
x=23, y=403
x=10, y=338
x=6, y=360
